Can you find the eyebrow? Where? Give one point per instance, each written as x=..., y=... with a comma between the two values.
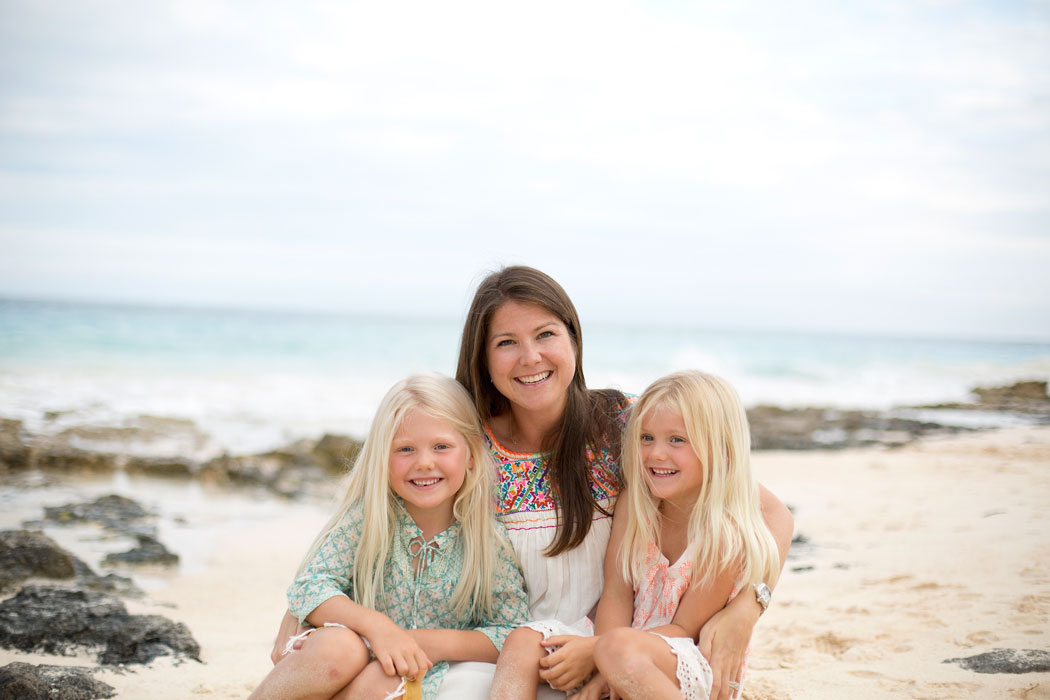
x=539, y=327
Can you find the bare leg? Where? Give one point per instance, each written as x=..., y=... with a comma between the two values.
x=518, y=668
x=637, y=665
x=329, y=659
x=371, y=684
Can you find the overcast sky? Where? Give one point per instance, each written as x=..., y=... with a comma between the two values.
x=858, y=166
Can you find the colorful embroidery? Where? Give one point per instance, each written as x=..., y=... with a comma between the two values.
x=524, y=482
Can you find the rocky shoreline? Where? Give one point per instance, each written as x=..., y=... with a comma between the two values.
x=306, y=468
x=61, y=606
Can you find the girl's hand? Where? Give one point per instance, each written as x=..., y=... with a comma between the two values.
x=289, y=628
x=723, y=642
x=398, y=653
x=569, y=666
x=595, y=689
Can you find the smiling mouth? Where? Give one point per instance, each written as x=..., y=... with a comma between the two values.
x=424, y=483
x=662, y=472
x=534, y=378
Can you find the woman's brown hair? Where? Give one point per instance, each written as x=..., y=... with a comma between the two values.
x=590, y=417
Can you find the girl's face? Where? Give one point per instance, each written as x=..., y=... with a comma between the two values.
x=672, y=469
x=531, y=357
x=429, y=460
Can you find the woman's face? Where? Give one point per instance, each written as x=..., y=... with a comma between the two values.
x=531, y=357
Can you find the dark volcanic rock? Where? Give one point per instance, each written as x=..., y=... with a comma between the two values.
x=776, y=428
x=1021, y=391
x=113, y=512
x=291, y=471
x=20, y=681
x=56, y=620
x=110, y=583
x=336, y=453
x=27, y=554
x=161, y=466
x=1006, y=661
x=72, y=459
x=149, y=551
x=1027, y=399
x=14, y=453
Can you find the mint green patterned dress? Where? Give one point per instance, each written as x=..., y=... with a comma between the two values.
x=411, y=601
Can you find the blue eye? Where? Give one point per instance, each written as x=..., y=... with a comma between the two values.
x=647, y=438
x=677, y=439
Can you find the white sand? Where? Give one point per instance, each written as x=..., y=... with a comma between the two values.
x=919, y=554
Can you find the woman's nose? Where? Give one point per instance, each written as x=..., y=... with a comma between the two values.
x=530, y=353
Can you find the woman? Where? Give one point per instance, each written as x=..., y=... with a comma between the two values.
x=556, y=442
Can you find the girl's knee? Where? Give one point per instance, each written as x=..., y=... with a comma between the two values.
x=523, y=640
x=338, y=654
x=524, y=635
x=617, y=647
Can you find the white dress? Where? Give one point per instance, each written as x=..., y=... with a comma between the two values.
x=565, y=588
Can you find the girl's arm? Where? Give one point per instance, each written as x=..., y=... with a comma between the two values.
x=455, y=645
x=318, y=595
x=724, y=638
x=567, y=667
x=289, y=628
x=510, y=608
x=395, y=649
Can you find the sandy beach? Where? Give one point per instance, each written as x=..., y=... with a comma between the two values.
x=913, y=555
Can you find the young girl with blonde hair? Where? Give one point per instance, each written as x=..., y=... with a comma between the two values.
x=688, y=535
x=412, y=571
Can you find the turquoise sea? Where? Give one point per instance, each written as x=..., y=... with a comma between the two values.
x=250, y=380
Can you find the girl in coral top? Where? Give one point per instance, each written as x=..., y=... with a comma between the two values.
x=687, y=536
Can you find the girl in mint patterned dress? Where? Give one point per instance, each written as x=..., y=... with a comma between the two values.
x=413, y=571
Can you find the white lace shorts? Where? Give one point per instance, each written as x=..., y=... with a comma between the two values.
x=693, y=672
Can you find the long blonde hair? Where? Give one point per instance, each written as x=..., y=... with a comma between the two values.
x=726, y=521
x=369, y=484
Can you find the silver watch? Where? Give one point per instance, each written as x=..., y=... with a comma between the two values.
x=763, y=595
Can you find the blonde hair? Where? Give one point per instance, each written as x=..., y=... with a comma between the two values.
x=369, y=484
x=726, y=521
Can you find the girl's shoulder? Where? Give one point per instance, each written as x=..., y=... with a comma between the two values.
x=352, y=517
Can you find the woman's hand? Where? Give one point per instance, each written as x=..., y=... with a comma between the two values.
x=568, y=666
x=723, y=642
x=289, y=628
x=398, y=652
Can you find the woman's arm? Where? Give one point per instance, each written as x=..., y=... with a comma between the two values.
x=616, y=605
x=724, y=638
x=697, y=606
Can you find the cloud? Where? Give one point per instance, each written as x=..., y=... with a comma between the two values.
x=755, y=156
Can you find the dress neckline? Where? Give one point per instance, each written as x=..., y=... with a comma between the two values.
x=505, y=450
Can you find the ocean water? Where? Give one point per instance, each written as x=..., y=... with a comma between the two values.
x=245, y=381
